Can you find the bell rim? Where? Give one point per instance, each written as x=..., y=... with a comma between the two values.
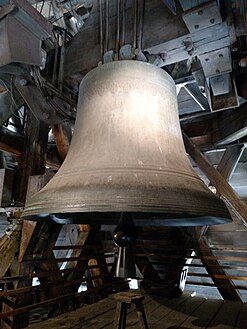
x=141, y=219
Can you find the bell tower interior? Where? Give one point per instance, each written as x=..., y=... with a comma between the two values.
x=123, y=164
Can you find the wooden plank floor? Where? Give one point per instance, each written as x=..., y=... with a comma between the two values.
x=185, y=312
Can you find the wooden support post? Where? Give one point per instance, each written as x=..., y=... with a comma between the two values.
x=221, y=174
x=33, y=157
x=31, y=161
x=216, y=179
x=81, y=239
x=92, y=250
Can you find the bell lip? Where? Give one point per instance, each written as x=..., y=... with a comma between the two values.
x=140, y=219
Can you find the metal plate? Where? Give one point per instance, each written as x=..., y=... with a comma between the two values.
x=221, y=84
x=29, y=17
x=216, y=62
x=22, y=47
x=186, y=5
x=202, y=17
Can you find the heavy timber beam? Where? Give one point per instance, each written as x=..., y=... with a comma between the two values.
x=62, y=134
x=32, y=160
x=216, y=179
x=230, y=159
x=213, y=267
x=11, y=142
x=226, y=168
x=232, y=125
x=223, y=127
x=8, y=107
x=9, y=245
x=36, y=102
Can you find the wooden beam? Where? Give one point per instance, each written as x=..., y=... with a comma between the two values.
x=213, y=267
x=216, y=179
x=33, y=157
x=81, y=239
x=95, y=252
x=226, y=168
x=11, y=142
x=8, y=107
x=53, y=159
x=230, y=159
x=224, y=284
x=62, y=134
x=9, y=245
x=36, y=102
x=223, y=127
x=232, y=125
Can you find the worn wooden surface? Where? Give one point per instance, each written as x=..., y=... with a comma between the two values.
x=185, y=312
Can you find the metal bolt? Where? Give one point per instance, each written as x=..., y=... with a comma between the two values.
x=23, y=82
x=212, y=20
x=196, y=26
x=220, y=56
x=206, y=59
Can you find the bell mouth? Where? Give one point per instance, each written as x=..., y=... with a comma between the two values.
x=140, y=219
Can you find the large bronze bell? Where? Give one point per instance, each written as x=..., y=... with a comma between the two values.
x=127, y=155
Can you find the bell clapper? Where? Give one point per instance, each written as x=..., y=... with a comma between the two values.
x=124, y=236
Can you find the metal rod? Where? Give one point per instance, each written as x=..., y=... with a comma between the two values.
x=49, y=13
x=118, y=29
x=101, y=28
x=135, y=24
x=54, y=73
x=61, y=63
x=107, y=26
x=141, y=20
x=123, y=21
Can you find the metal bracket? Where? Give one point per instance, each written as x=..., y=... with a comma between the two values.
x=202, y=17
x=216, y=62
